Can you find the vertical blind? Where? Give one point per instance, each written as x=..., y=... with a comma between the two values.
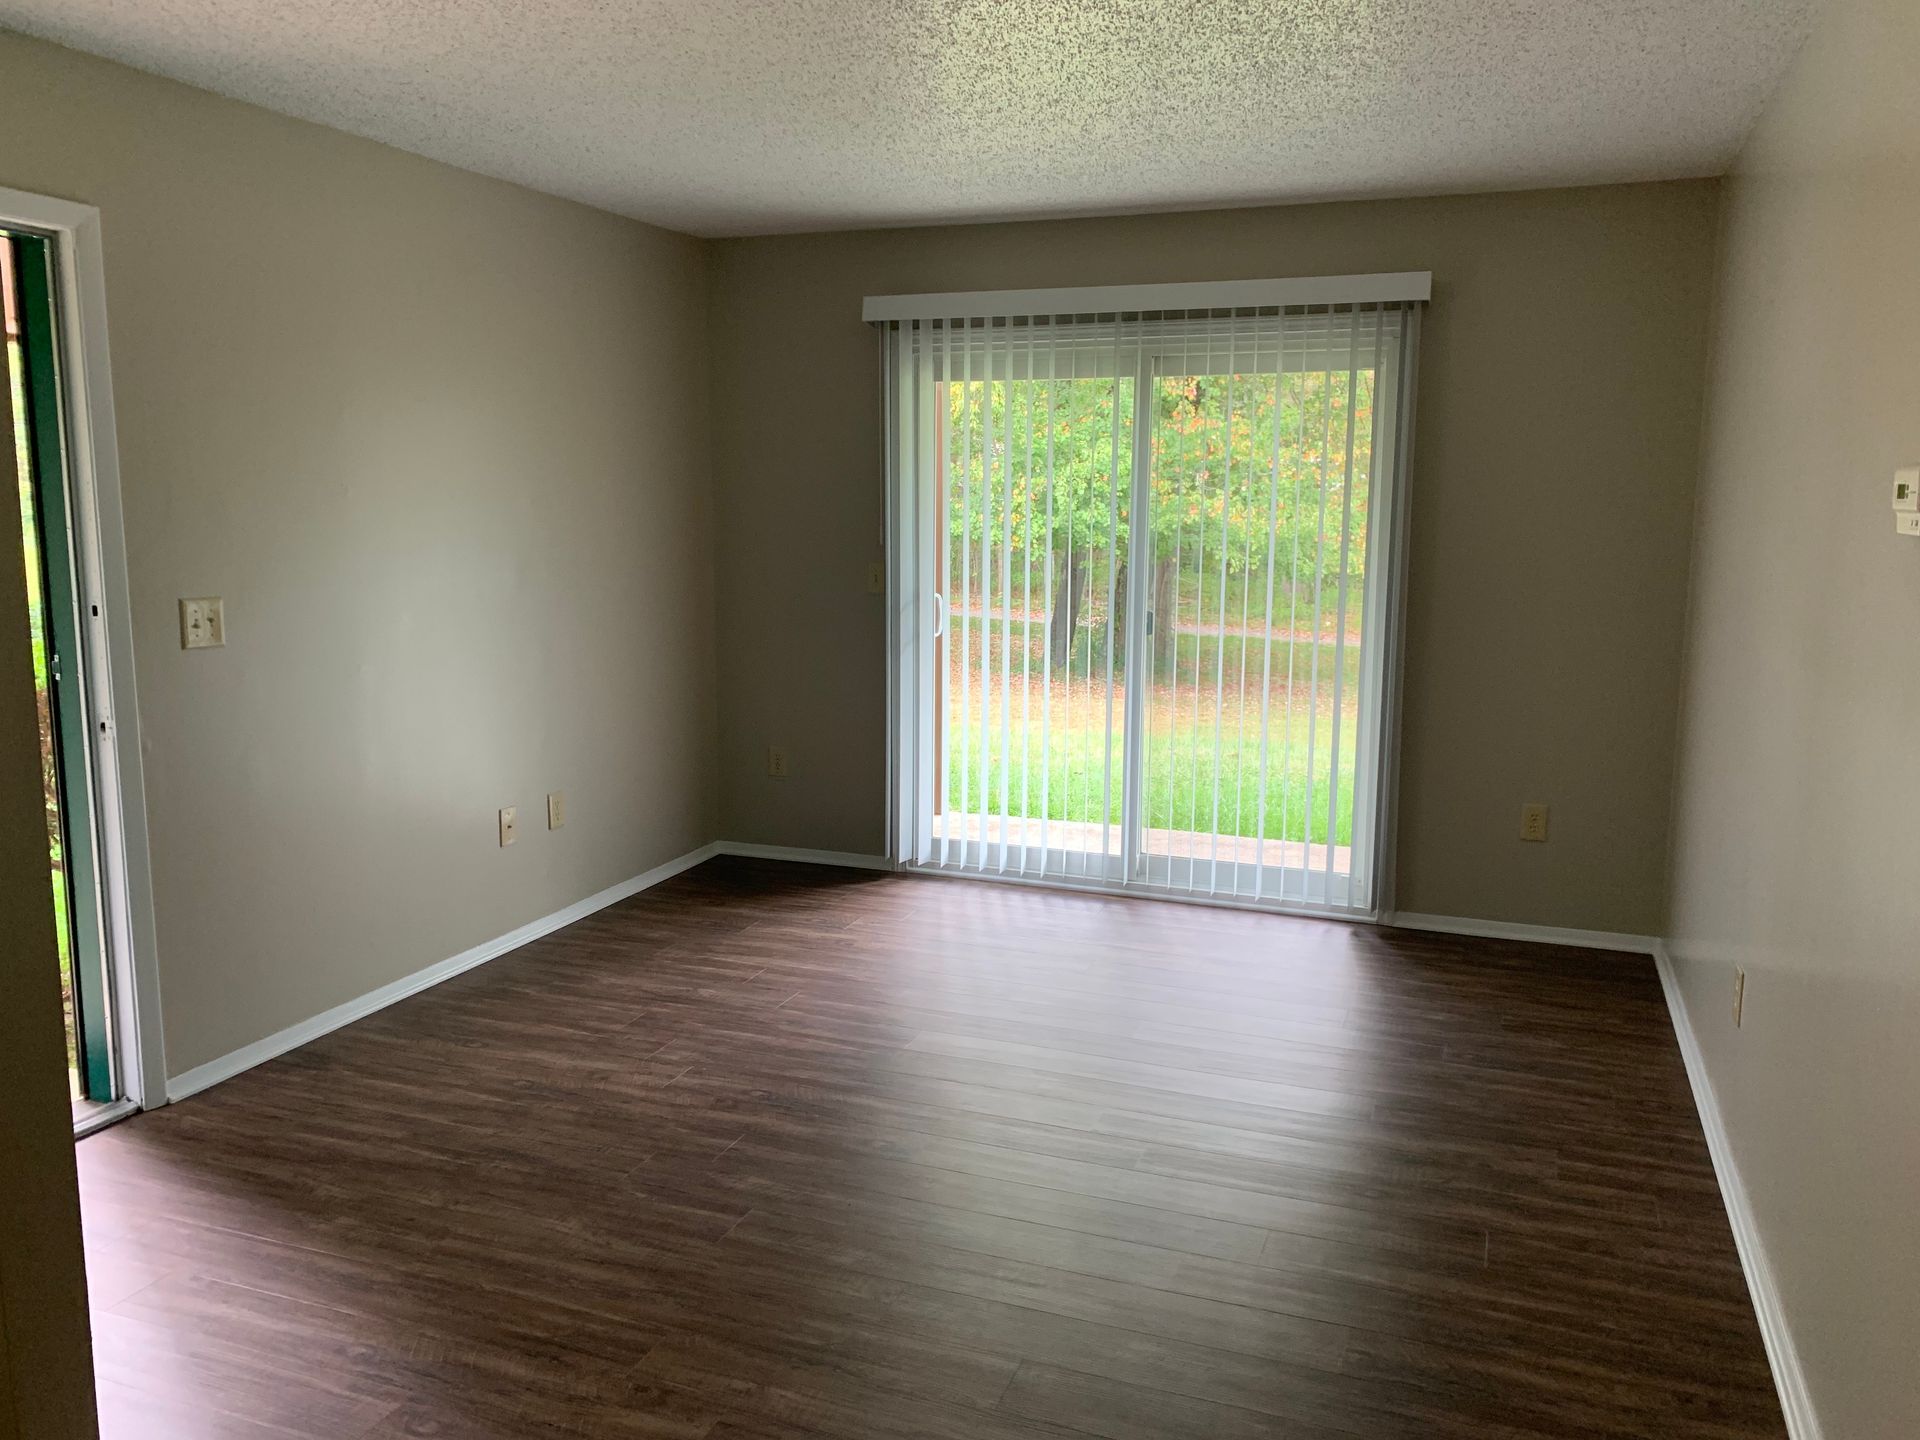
x=1145, y=595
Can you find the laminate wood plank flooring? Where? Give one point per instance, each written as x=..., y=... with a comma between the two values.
x=779, y=1152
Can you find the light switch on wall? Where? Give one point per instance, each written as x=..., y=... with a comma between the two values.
x=203, y=623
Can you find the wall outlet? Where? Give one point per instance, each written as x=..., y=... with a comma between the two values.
x=203, y=623
x=776, y=762
x=1533, y=822
x=509, y=825
x=877, y=578
x=556, y=809
x=1739, y=994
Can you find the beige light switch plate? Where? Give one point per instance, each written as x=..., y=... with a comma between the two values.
x=203, y=623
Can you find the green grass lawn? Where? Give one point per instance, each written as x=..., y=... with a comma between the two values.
x=1184, y=767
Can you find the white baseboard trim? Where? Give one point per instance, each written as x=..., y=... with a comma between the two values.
x=193, y=1081
x=1510, y=930
x=1788, y=1378
x=846, y=859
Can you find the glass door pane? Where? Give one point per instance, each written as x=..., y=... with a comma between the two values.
x=1258, y=508
x=1034, y=453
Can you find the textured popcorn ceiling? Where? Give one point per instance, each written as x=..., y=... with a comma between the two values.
x=728, y=117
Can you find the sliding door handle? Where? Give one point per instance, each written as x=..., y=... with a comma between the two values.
x=939, y=615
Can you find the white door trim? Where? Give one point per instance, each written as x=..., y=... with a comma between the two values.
x=93, y=455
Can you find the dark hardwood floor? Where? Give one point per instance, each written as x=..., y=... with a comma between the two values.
x=773, y=1152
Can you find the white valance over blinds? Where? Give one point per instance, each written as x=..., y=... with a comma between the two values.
x=1405, y=287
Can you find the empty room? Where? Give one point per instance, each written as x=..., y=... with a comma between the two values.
x=809, y=721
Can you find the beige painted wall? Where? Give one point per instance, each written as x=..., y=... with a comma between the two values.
x=1796, y=831
x=46, y=1365
x=1555, y=450
x=441, y=444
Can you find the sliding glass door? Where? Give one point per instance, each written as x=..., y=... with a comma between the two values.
x=1146, y=597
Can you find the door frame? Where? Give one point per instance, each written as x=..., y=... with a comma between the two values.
x=40, y=417
x=914, y=616
x=97, y=526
